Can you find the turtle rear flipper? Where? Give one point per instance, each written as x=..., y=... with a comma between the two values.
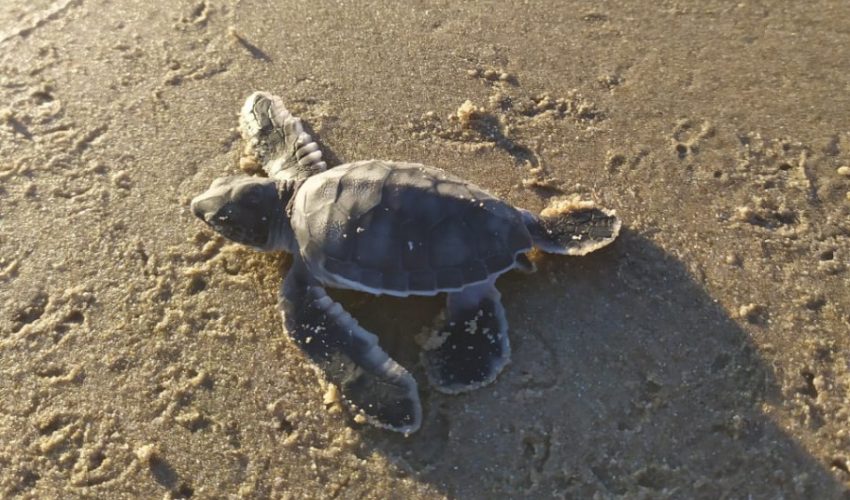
x=348, y=355
x=572, y=227
x=277, y=140
x=472, y=347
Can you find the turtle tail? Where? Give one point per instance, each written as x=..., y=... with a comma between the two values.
x=572, y=227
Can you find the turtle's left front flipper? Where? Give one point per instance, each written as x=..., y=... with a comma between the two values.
x=276, y=139
x=348, y=355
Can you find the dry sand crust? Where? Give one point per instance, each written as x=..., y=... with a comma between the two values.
x=703, y=355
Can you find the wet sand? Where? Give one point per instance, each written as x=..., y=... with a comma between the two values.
x=703, y=355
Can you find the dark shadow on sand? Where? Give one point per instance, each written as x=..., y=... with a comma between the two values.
x=488, y=126
x=626, y=379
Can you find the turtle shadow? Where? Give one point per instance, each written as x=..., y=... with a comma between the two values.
x=488, y=126
x=626, y=379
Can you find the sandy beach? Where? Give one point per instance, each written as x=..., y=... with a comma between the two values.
x=704, y=354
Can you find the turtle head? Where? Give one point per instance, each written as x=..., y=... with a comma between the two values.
x=247, y=210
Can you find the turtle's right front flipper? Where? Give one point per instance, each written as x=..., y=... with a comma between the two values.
x=276, y=140
x=348, y=355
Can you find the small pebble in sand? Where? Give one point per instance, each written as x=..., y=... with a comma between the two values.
x=7, y=116
x=8, y=269
x=751, y=312
x=814, y=302
x=550, y=183
x=466, y=113
x=331, y=395
x=147, y=453
x=744, y=214
x=821, y=384
x=192, y=420
x=845, y=171
x=249, y=164
x=733, y=259
x=122, y=180
x=499, y=100
x=332, y=399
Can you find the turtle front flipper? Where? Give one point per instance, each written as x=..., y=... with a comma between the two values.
x=472, y=347
x=347, y=354
x=571, y=227
x=276, y=140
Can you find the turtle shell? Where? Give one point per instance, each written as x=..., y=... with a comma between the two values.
x=403, y=228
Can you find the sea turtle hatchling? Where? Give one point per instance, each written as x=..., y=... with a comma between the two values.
x=386, y=227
